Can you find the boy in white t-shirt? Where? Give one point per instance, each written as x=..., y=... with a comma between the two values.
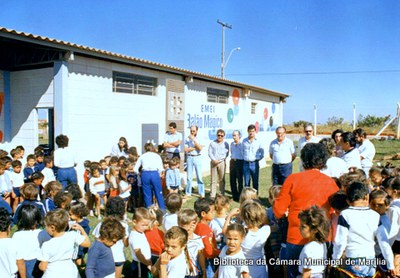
x=173, y=203
x=140, y=248
x=17, y=180
x=48, y=170
x=9, y=265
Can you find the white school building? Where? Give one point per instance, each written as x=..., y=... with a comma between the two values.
x=50, y=87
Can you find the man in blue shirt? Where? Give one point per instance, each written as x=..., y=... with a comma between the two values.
x=172, y=141
x=252, y=154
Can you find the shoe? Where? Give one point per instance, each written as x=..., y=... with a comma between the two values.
x=91, y=213
x=99, y=217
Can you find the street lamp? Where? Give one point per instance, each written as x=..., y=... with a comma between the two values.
x=227, y=61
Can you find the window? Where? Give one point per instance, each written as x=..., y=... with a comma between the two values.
x=134, y=84
x=217, y=95
x=253, y=107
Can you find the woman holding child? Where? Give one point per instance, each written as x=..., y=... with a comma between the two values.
x=301, y=191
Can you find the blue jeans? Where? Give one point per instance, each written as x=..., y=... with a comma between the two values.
x=360, y=269
x=29, y=266
x=151, y=184
x=194, y=162
x=66, y=176
x=236, y=178
x=280, y=172
x=292, y=252
x=251, y=169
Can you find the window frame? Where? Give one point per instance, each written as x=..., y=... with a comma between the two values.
x=134, y=84
x=217, y=95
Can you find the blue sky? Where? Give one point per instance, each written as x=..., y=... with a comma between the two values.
x=330, y=53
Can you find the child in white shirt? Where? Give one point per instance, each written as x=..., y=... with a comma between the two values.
x=234, y=234
x=140, y=248
x=97, y=187
x=174, y=204
x=57, y=253
x=48, y=170
x=17, y=180
x=216, y=225
x=314, y=226
x=172, y=263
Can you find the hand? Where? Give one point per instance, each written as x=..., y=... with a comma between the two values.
x=234, y=212
x=165, y=258
x=77, y=227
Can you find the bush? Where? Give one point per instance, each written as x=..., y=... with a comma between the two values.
x=372, y=121
x=301, y=124
x=335, y=121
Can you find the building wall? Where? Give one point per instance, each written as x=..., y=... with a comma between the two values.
x=236, y=114
x=30, y=89
x=98, y=117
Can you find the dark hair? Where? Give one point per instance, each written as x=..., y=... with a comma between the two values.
x=78, y=208
x=314, y=156
x=5, y=220
x=57, y=218
x=357, y=191
x=172, y=124
x=375, y=169
x=238, y=228
x=20, y=147
x=203, y=205
x=47, y=160
x=111, y=229
x=379, y=193
x=29, y=217
x=348, y=178
x=173, y=202
x=31, y=156
x=335, y=132
x=62, y=141
x=113, y=159
x=125, y=147
x=39, y=154
x=74, y=190
x=52, y=186
x=116, y=207
x=16, y=163
x=37, y=175
x=360, y=132
x=338, y=200
x=6, y=159
x=316, y=219
x=329, y=144
x=148, y=147
x=251, y=127
x=348, y=137
x=386, y=183
x=62, y=199
x=220, y=131
x=280, y=127
x=395, y=184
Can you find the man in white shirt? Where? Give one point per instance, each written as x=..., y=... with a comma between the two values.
x=193, y=154
x=172, y=141
x=366, y=149
x=252, y=154
x=351, y=155
x=236, y=166
x=282, y=153
x=308, y=138
x=217, y=152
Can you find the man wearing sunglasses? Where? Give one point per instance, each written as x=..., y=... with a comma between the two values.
x=308, y=138
x=218, y=151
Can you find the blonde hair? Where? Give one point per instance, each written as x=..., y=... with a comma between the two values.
x=273, y=192
x=253, y=214
x=141, y=213
x=53, y=186
x=187, y=216
x=248, y=193
x=156, y=216
x=220, y=202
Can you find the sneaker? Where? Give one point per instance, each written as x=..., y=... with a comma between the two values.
x=99, y=217
x=91, y=213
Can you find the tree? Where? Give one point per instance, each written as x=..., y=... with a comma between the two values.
x=335, y=121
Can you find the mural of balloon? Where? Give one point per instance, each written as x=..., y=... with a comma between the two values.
x=265, y=113
x=235, y=97
x=273, y=108
x=257, y=124
x=230, y=115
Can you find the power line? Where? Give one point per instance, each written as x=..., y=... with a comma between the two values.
x=316, y=72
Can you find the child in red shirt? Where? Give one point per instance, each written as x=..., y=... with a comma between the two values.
x=154, y=235
x=204, y=208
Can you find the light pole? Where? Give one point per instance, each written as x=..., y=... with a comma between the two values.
x=227, y=61
x=354, y=116
x=315, y=120
x=223, y=64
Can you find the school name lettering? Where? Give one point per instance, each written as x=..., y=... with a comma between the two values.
x=204, y=121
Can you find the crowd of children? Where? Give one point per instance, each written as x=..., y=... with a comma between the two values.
x=360, y=235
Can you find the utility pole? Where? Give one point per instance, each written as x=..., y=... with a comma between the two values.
x=223, y=25
x=315, y=120
x=354, y=116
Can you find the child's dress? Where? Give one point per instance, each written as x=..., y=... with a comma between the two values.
x=58, y=252
x=313, y=251
x=230, y=270
x=253, y=249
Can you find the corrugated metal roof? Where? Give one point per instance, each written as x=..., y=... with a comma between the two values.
x=91, y=51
